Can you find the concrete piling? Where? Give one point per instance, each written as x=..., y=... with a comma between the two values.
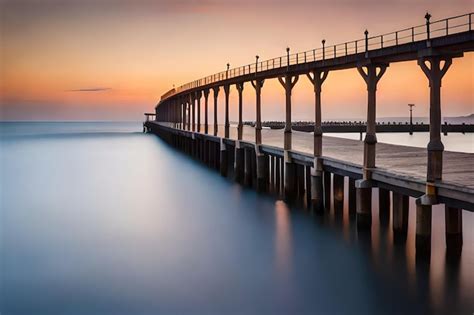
x=384, y=206
x=423, y=229
x=327, y=190
x=239, y=162
x=352, y=198
x=248, y=167
x=290, y=178
x=261, y=163
x=223, y=165
x=453, y=223
x=364, y=204
x=400, y=207
x=338, y=194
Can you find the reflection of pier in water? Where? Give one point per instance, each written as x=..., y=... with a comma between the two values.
x=393, y=173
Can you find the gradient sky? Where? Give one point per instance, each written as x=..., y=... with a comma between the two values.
x=111, y=60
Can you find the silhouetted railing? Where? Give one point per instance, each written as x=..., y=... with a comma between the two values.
x=429, y=30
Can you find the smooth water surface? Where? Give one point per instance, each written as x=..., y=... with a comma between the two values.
x=107, y=220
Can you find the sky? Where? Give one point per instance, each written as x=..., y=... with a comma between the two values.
x=112, y=60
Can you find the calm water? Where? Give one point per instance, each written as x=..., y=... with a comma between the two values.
x=98, y=218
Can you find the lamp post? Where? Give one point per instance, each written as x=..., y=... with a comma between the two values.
x=411, y=118
x=324, y=53
x=287, y=57
x=227, y=71
x=427, y=17
x=256, y=64
x=366, y=33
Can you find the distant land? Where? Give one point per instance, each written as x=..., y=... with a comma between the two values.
x=459, y=120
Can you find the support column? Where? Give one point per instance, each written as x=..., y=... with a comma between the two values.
x=188, y=115
x=223, y=159
x=277, y=175
x=338, y=193
x=327, y=190
x=371, y=73
x=183, y=114
x=248, y=167
x=453, y=222
x=352, y=198
x=239, y=162
x=227, y=123
x=193, y=111
x=317, y=199
x=198, y=98
x=258, y=84
x=384, y=206
x=206, y=102
x=261, y=163
x=400, y=204
x=240, y=89
x=423, y=229
x=216, y=94
x=288, y=82
x=260, y=157
x=434, y=71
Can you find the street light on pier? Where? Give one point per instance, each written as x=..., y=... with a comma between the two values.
x=227, y=71
x=411, y=117
x=256, y=63
x=427, y=17
x=324, y=53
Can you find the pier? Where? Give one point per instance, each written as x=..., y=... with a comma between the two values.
x=310, y=168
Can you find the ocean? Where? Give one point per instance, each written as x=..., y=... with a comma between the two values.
x=99, y=218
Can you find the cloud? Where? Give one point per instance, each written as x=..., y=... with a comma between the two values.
x=93, y=89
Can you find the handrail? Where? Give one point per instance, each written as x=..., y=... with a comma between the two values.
x=439, y=28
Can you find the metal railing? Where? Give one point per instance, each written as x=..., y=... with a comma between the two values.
x=429, y=30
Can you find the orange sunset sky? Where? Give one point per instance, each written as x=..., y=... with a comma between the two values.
x=111, y=60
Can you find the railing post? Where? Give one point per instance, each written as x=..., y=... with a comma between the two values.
x=334, y=51
x=345, y=46
x=447, y=26
x=396, y=38
x=381, y=41
x=412, y=34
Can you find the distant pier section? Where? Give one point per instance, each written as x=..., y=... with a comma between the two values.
x=356, y=127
